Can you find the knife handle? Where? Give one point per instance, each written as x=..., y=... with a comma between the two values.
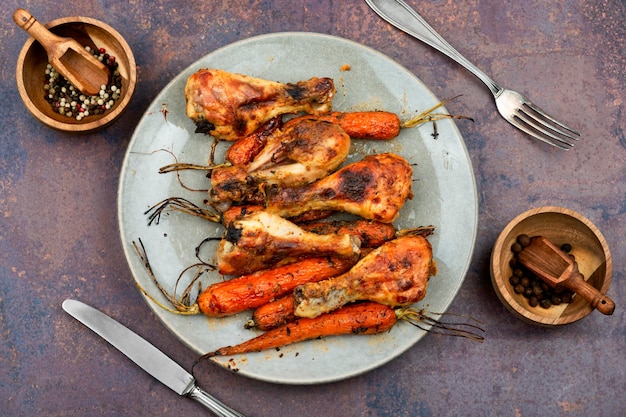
x=216, y=406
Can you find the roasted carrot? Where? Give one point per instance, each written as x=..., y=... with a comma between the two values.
x=253, y=290
x=361, y=318
x=236, y=212
x=273, y=314
x=371, y=233
x=381, y=125
x=311, y=215
x=243, y=151
x=368, y=317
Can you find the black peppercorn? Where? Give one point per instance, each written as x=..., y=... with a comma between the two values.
x=525, y=281
x=516, y=248
x=523, y=240
x=528, y=292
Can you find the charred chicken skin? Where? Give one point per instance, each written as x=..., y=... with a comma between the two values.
x=231, y=106
x=300, y=153
x=395, y=274
x=232, y=185
x=374, y=188
x=261, y=240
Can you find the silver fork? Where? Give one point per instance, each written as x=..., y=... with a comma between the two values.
x=513, y=106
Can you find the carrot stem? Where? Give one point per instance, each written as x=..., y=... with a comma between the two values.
x=428, y=115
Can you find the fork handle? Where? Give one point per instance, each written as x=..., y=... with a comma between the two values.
x=402, y=16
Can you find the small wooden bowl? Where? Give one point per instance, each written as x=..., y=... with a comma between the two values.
x=32, y=61
x=560, y=226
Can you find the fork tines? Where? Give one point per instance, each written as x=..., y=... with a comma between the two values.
x=534, y=121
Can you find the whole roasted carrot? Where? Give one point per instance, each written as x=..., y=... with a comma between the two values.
x=362, y=318
x=253, y=290
x=381, y=125
x=273, y=314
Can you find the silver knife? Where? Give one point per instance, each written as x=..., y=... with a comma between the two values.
x=148, y=357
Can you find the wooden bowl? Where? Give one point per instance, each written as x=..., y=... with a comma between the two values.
x=32, y=61
x=560, y=226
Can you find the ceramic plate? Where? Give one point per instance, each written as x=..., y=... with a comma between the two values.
x=443, y=186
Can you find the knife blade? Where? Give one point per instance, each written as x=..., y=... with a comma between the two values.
x=147, y=356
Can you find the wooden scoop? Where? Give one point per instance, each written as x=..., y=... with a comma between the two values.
x=66, y=55
x=558, y=270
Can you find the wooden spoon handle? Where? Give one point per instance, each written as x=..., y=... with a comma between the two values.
x=31, y=25
x=24, y=19
x=597, y=300
x=54, y=45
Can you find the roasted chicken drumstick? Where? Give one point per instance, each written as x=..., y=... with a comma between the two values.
x=300, y=153
x=374, y=188
x=231, y=106
x=261, y=240
x=395, y=274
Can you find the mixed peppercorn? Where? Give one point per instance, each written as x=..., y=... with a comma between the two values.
x=67, y=100
x=531, y=287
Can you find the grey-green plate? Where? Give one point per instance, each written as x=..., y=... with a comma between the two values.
x=444, y=196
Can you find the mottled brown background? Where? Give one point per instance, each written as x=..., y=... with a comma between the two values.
x=59, y=237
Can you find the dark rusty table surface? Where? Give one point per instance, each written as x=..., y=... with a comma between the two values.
x=59, y=237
